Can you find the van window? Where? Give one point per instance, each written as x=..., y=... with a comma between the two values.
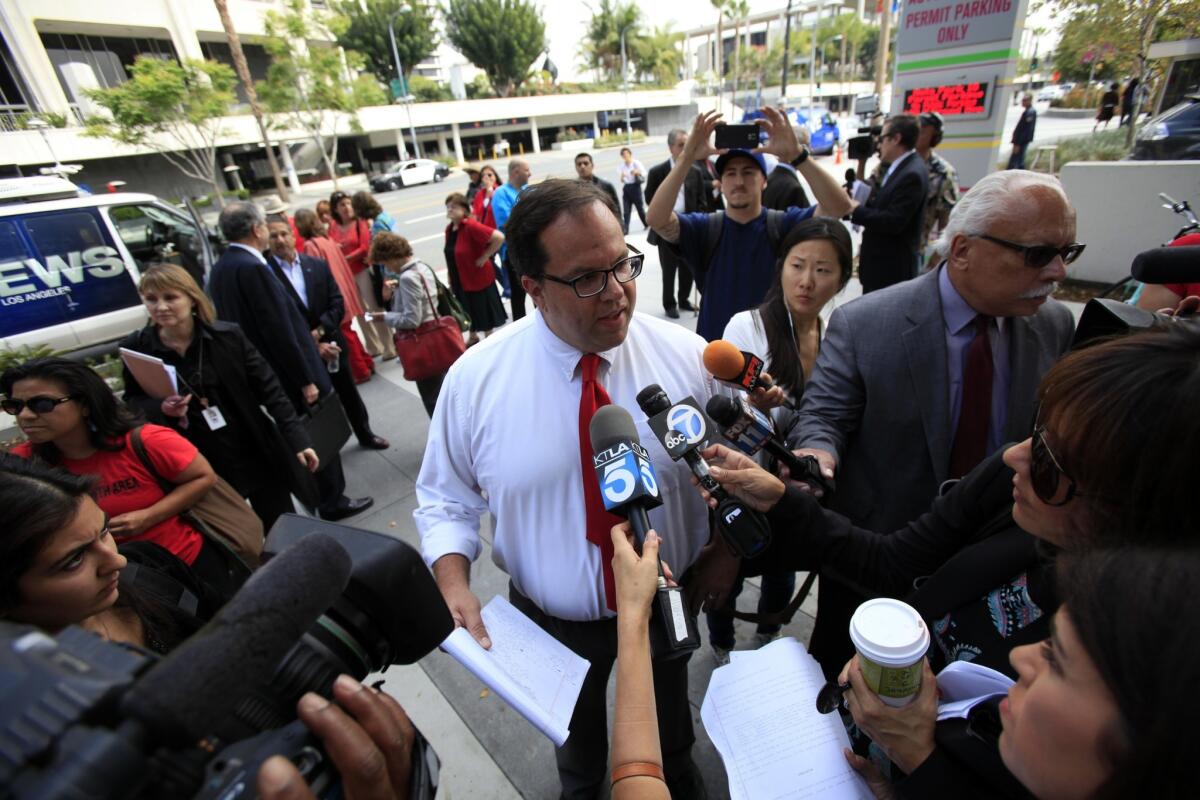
x=59, y=267
x=156, y=235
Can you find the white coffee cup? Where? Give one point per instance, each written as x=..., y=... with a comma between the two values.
x=891, y=640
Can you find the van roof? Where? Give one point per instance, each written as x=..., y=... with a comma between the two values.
x=88, y=201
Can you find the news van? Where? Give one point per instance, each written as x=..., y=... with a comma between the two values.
x=70, y=263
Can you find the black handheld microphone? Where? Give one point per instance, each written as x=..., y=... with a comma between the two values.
x=629, y=489
x=750, y=431
x=1168, y=265
x=683, y=429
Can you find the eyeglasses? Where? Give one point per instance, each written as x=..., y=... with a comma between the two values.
x=1038, y=255
x=590, y=284
x=38, y=405
x=1045, y=472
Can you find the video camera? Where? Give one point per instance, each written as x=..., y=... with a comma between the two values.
x=865, y=145
x=1102, y=317
x=85, y=718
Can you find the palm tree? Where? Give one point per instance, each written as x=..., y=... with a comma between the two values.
x=720, y=6
x=737, y=11
x=658, y=55
x=243, y=71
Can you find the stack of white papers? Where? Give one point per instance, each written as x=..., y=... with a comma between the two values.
x=535, y=673
x=760, y=713
x=963, y=685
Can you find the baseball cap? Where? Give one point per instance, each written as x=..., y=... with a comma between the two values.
x=725, y=158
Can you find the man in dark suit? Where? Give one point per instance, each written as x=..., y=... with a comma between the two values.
x=245, y=291
x=585, y=168
x=783, y=184
x=311, y=286
x=916, y=384
x=690, y=198
x=893, y=216
x=1022, y=135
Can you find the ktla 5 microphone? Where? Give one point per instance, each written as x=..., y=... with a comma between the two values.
x=737, y=368
x=1168, y=265
x=629, y=488
x=683, y=429
x=750, y=431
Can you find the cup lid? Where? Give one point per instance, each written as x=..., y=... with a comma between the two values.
x=889, y=631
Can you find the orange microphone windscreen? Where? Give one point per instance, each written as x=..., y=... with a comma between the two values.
x=724, y=360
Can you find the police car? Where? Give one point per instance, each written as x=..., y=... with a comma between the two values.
x=70, y=263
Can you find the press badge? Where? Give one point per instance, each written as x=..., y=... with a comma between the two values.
x=214, y=418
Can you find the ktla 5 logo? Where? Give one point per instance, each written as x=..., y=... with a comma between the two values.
x=624, y=469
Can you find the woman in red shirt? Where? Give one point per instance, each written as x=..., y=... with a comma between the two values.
x=353, y=235
x=72, y=420
x=470, y=246
x=318, y=245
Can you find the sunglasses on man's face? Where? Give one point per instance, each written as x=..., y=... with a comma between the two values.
x=38, y=405
x=1046, y=474
x=1038, y=255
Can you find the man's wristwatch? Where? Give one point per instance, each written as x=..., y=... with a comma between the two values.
x=800, y=159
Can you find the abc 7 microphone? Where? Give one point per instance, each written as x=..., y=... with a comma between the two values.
x=683, y=429
x=630, y=489
x=751, y=431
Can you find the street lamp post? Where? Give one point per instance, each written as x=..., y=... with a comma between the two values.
x=60, y=169
x=787, y=44
x=407, y=99
x=625, y=88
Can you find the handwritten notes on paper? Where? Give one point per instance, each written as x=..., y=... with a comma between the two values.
x=760, y=713
x=534, y=673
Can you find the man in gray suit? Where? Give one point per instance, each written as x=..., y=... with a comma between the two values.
x=904, y=396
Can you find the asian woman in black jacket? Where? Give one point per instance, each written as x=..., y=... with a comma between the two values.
x=218, y=369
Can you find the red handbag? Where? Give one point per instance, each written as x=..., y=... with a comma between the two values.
x=430, y=348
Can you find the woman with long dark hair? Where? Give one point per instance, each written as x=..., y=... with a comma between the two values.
x=72, y=420
x=60, y=566
x=353, y=236
x=814, y=264
x=318, y=245
x=469, y=249
x=220, y=369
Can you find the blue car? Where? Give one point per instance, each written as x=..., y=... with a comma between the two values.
x=823, y=137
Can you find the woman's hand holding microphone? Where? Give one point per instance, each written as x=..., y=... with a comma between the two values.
x=739, y=475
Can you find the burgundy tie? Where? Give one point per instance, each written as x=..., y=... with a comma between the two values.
x=599, y=521
x=974, y=418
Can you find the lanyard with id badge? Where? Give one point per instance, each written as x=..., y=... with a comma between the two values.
x=212, y=414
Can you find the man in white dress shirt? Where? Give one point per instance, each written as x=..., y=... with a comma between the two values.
x=509, y=438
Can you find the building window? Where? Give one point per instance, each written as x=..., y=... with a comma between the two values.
x=84, y=62
x=14, y=94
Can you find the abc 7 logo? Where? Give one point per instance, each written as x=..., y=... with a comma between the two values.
x=621, y=479
x=685, y=426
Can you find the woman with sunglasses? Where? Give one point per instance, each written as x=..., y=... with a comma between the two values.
x=72, y=420
x=411, y=297
x=979, y=565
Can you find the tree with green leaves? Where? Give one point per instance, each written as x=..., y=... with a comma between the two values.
x=174, y=109
x=363, y=29
x=501, y=37
x=659, y=57
x=737, y=11
x=601, y=46
x=1125, y=29
x=310, y=85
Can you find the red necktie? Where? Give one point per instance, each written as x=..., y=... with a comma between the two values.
x=599, y=521
x=974, y=418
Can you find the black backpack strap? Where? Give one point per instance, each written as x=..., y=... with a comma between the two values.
x=712, y=239
x=775, y=234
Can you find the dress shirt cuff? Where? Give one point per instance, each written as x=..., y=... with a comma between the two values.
x=449, y=536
